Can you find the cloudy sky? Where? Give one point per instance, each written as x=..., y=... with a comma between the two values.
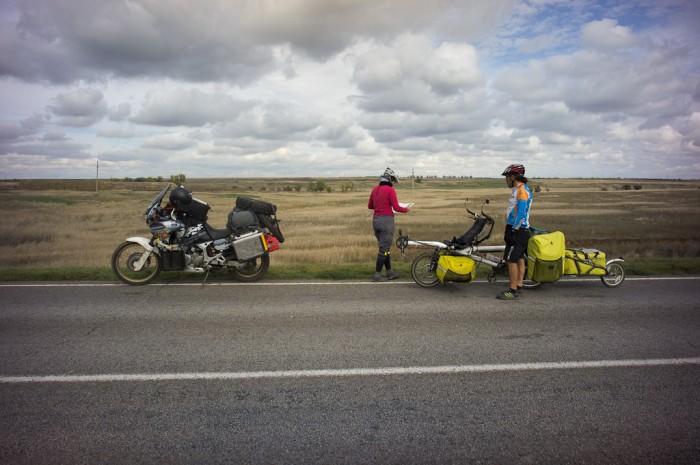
x=263, y=88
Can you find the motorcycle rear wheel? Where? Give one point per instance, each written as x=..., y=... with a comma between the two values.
x=252, y=270
x=123, y=259
x=423, y=270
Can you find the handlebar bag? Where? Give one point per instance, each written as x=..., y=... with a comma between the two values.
x=545, y=257
x=584, y=261
x=457, y=269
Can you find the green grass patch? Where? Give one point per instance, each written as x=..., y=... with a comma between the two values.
x=638, y=267
x=56, y=274
x=662, y=266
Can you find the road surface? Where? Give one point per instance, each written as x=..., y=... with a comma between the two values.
x=350, y=372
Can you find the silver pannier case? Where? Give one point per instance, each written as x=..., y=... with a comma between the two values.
x=249, y=246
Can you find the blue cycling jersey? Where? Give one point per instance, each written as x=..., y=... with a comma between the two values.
x=519, y=207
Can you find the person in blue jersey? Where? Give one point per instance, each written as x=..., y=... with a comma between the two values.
x=517, y=230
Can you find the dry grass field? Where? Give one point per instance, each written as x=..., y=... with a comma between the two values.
x=66, y=224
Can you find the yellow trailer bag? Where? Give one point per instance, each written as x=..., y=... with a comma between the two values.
x=459, y=269
x=545, y=257
x=584, y=261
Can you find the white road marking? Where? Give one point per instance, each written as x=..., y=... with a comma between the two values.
x=323, y=283
x=356, y=372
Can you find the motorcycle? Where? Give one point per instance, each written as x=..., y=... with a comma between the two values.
x=182, y=240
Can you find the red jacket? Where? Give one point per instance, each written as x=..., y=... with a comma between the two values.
x=383, y=199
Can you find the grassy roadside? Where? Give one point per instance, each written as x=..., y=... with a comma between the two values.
x=639, y=267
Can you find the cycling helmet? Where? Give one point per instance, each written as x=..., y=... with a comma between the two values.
x=390, y=175
x=180, y=196
x=514, y=169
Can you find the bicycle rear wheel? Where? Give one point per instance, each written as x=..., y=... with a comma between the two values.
x=423, y=269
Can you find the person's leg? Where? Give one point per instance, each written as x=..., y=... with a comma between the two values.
x=381, y=259
x=514, y=275
x=511, y=265
x=521, y=273
x=390, y=274
x=384, y=230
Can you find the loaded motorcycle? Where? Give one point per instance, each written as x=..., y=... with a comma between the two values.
x=182, y=240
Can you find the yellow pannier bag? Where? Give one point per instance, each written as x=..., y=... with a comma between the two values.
x=545, y=257
x=459, y=269
x=584, y=261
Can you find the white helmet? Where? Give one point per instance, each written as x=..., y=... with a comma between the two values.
x=390, y=175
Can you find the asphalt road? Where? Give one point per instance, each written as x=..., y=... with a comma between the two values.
x=350, y=373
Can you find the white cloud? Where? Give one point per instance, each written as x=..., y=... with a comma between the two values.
x=312, y=87
x=188, y=107
x=607, y=34
x=453, y=67
x=79, y=108
x=170, y=142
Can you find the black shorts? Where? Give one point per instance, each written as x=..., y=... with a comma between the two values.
x=516, y=243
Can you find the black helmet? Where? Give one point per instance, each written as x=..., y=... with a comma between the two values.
x=180, y=196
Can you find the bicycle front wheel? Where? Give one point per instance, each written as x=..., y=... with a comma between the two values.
x=423, y=269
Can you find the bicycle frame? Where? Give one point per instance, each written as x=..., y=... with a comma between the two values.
x=474, y=252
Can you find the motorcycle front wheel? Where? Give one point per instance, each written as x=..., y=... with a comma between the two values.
x=123, y=259
x=252, y=270
x=423, y=270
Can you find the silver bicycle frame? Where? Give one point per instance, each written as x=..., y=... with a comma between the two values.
x=472, y=252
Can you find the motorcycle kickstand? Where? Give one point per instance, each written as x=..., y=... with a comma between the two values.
x=205, y=277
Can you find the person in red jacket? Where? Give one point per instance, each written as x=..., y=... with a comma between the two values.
x=384, y=202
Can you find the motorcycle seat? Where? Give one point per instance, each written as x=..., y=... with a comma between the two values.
x=216, y=233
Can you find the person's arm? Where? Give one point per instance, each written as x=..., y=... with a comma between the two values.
x=370, y=203
x=395, y=203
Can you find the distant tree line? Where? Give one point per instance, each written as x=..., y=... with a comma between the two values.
x=178, y=179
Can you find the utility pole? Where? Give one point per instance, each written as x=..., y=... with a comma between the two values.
x=97, y=175
x=413, y=181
